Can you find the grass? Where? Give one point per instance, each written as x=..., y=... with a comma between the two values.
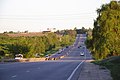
x=50, y=52
x=113, y=64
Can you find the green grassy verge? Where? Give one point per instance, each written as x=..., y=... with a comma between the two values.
x=52, y=51
x=113, y=64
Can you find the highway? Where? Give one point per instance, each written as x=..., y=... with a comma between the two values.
x=67, y=68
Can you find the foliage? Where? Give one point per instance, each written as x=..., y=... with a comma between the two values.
x=106, y=32
x=81, y=31
x=35, y=45
x=113, y=64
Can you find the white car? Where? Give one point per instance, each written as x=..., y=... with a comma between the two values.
x=81, y=53
x=18, y=56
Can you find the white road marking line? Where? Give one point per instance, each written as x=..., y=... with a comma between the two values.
x=74, y=71
x=14, y=76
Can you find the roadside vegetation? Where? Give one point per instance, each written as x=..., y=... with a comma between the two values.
x=104, y=43
x=105, y=39
x=113, y=64
x=35, y=46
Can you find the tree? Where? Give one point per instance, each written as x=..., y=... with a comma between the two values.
x=29, y=46
x=106, y=31
x=11, y=32
x=81, y=31
x=2, y=53
x=36, y=46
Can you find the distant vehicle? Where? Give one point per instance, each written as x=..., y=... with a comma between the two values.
x=18, y=56
x=47, y=57
x=79, y=46
x=59, y=53
x=81, y=53
x=67, y=46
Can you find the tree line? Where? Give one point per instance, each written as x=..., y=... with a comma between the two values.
x=30, y=46
x=105, y=40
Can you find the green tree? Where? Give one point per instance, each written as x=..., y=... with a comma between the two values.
x=36, y=46
x=106, y=31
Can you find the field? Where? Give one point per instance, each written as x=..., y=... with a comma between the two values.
x=25, y=34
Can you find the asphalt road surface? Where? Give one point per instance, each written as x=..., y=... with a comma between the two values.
x=67, y=68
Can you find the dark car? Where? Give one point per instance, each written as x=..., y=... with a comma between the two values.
x=59, y=53
x=67, y=46
x=79, y=46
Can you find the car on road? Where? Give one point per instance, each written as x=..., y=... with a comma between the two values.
x=47, y=57
x=59, y=53
x=79, y=46
x=67, y=46
x=18, y=56
x=81, y=53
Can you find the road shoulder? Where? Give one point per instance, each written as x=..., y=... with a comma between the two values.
x=91, y=71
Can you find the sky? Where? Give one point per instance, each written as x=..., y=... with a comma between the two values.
x=38, y=15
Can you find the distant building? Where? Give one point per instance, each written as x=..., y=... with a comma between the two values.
x=45, y=32
x=51, y=29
